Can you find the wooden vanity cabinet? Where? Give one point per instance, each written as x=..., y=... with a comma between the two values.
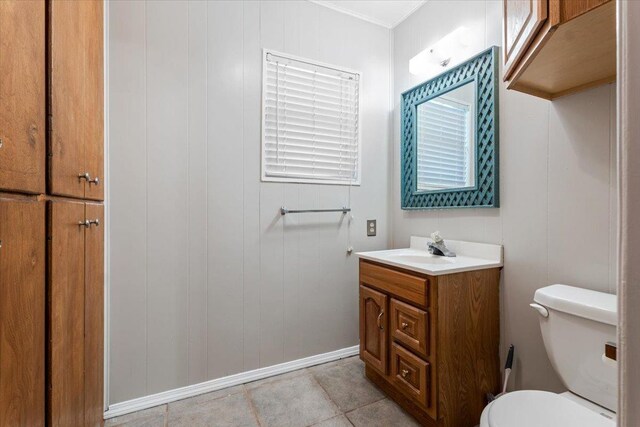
x=22, y=96
x=557, y=47
x=431, y=342
x=76, y=99
x=75, y=313
x=22, y=306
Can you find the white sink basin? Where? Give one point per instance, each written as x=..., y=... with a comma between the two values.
x=470, y=256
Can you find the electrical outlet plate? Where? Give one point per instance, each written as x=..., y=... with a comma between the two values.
x=372, y=227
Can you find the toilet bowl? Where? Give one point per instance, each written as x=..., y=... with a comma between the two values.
x=575, y=324
x=533, y=408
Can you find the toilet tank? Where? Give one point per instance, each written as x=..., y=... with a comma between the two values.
x=579, y=324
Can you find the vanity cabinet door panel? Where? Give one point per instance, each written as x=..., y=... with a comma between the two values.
x=522, y=20
x=94, y=313
x=76, y=98
x=410, y=326
x=373, y=328
x=66, y=314
x=22, y=312
x=22, y=96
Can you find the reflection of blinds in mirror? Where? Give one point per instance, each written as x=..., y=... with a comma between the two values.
x=310, y=122
x=443, y=133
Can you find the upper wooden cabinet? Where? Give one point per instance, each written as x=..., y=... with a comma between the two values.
x=76, y=140
x=522, y=21
x=556, y=47
x=22, y=96
x=75, y=315
x=22, y=305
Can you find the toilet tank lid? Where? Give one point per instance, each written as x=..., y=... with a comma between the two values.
x=593, y=305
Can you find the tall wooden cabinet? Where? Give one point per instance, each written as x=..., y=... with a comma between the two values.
x=22, y=96
x=22, y=311
x=51, y=214
x=75, y=247
x=76, y=99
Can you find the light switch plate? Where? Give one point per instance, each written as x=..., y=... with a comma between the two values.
x=372, y=227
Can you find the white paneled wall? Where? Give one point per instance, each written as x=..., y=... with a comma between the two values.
x=207, y=279
x=557, y=175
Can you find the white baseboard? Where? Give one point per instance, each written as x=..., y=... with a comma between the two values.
x=150, y=401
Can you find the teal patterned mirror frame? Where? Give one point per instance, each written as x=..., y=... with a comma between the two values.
x=483, y=69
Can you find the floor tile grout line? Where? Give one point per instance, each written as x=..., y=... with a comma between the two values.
x=253, y=409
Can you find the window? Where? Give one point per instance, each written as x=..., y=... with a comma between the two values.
x=445, y=149
x=310, y=122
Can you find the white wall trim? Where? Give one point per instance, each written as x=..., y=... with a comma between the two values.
x=220, y=383
x=107, y=222
x=628, y=87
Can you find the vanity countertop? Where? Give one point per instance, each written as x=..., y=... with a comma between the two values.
x=470, y=256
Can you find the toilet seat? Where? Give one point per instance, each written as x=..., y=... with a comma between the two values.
x=532, y=408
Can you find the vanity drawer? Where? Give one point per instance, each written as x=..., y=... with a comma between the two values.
x=410, y=326
x=410, y=375
x=402, y=285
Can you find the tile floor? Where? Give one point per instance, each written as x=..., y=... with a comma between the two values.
x=335, y=394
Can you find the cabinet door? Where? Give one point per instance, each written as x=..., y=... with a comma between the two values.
x=373, y=328
x=22, y=308
x=66, y=314
x=22, y=95
x=522, y=20
x=76, y=98
x=94, y=312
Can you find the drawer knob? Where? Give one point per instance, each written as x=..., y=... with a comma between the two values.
x=404, y=325
x=404, y=373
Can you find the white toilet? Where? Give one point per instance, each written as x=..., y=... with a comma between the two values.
x=576, y=324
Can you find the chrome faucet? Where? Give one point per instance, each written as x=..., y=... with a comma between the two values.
x=437, y=246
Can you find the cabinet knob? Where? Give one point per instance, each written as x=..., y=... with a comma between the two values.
x=1, y=142
x=87, y=177
x=404, y=373
x=86, y=223
x=95, y=222
x=404, y=325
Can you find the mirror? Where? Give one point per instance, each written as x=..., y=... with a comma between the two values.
x=450, y=138
x=446, y=140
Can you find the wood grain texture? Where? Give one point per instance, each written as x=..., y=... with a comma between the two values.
x=410, y=375
x=468, y=344
x=66, y=302
x=577, y=54
x=22, y=307
x=574, y=8
x=373, y=328
x=92, y=29
x=411, y=288
x=94, y=317
x=410, y=326
x=521, y=22
x=22, y=96
x=75, y=97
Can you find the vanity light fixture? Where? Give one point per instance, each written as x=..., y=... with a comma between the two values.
x=450, y=50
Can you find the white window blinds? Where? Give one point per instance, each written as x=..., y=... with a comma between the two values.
x=311, y=130
x=445, y=157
